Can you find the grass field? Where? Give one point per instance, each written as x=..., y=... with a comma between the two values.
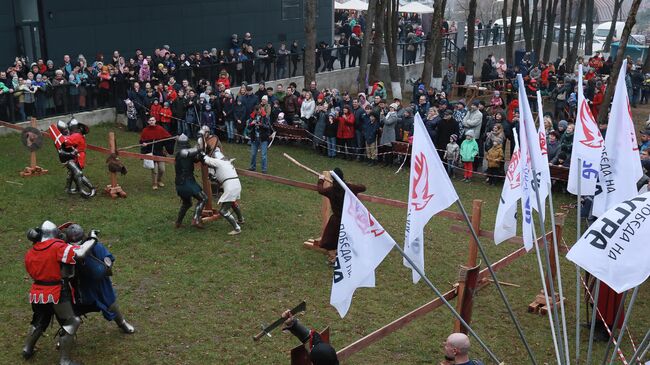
x=197, y=297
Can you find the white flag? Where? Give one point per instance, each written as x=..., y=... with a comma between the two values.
x=615, y=248
x=541, y=131
x=505, y=226
x=620, y=164
x=526, y=168
x=587, y=145
x=430, y=191
x=363, y=245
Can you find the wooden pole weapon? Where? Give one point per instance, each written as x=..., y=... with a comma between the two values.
x=306, y=168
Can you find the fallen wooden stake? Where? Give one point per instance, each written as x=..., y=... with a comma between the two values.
x=505, y=283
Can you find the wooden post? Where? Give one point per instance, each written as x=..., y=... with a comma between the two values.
x=33, y=169
x=114, y=189
x=463, y=302
x=326, y=211
x=466, y=306
x=209, y=214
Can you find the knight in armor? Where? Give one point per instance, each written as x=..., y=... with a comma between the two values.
x=186, y=186
x=224, y=178
x=72, y=152
x=50, y=263
x=320, y=352
x=94, y=289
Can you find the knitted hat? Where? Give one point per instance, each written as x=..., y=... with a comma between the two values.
x=454, y=137
x=470, y=133
x=563, y=124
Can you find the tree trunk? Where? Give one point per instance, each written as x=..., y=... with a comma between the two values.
x=589, y=25
x=310, y=46
x=568, y=29
x=471, y=31
x=539, y=32
x=563, y=20
x=612, y=28
x=576, y=37
x=377, y=42
x=365, y=48
x=437, y=51
x=390, y=39
x=528, y=32
x=550, y=29
x=534, y=20
x=433, y=57
x=611, y=85
x=512, y=29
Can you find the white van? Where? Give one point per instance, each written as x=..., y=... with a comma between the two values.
x=603, y=29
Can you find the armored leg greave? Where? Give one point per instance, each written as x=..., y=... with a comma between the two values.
x=185, y=205
x=66, y=343
x=202, y=200
x=33, y=334
x=228, y=216
x=125, y=326
x=68, y=184
x=69, y=325
x=235, y=208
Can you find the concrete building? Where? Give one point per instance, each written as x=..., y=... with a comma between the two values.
x=50, y=29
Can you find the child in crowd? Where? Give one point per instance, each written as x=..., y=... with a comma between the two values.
x=494, y=158
x=166, y=117
x=451, y=155
x=468, y=151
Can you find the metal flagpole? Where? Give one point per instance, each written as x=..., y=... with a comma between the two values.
x=549, y=273
x=559, y=277
x=594, y=310
x=544, y=289
x=578, y=287
x=496, y=282
x=619, y=312
x=639, y=350
x=627, y=317
x=451, y=308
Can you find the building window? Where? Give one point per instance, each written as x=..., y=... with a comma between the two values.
x=291, y=9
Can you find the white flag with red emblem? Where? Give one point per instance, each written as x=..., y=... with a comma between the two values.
x=620, y=164
x=363, y=245
x=541, y=132
x=527, y=183
x=56, y=135
x=505, y=226
x=430, y=191
x=587, y=145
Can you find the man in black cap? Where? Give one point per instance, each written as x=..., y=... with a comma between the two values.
x=320, y=352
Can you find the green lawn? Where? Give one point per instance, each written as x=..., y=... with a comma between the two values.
x=197, y=297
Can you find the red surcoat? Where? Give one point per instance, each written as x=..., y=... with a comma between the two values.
x=43, y=263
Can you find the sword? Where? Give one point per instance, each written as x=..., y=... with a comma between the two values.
x=267, y=330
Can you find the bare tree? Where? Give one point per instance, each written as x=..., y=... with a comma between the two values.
x=612, y=28
x=563, y=20
x=528, y=31
x=377, y=41
x=539, y=31
x=471, y=31
x=310, y=46
x=578, y=34
x=367, y=34
x=568, y=29
x=510, y=38
x=432, y=44
x=437, y=52
x=550, y=28
x=611, y=85
x=390, y=39
x=589, y=25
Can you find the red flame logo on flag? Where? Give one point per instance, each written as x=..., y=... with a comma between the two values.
x=586, y=119
x=514, y=180
x=542, y=143
x=420, y=195
x=364, y=220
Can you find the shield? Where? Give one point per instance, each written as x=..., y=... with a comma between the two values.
x=31, y=138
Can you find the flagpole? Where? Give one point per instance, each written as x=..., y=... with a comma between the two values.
x=619, y=312
x=544, y=289
x=640, y=351
x=496, y=282
x=559, y=277
x=627, y=317
x=549, y=272
x=578, y=287
x=446, y=303
x=594, y=310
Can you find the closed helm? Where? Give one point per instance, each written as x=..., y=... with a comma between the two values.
x=49, y=230
x=74, y=233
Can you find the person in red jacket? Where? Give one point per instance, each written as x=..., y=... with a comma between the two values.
x=154, y=110
x=224, y=79
x=50, y=264
x=345, y=132
x=166, y=117
x=597, y=102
